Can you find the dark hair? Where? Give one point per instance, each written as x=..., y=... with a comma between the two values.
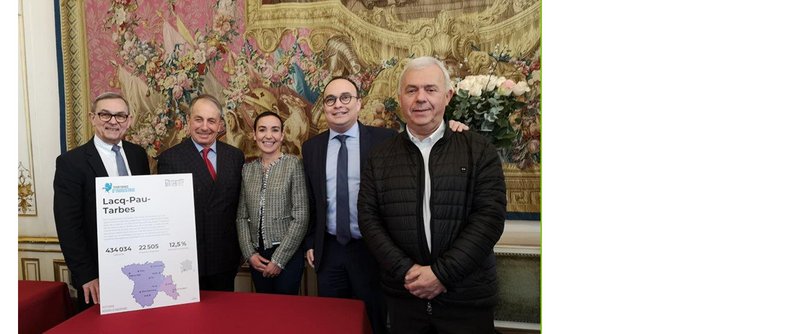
x=265, y=114
x=358, y=93
x=109, y=96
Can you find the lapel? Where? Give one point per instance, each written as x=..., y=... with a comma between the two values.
x=364, y=142
x=94, y=160
x=133, y=159
x=222, y=161
x=321, y=154
x=198, y=165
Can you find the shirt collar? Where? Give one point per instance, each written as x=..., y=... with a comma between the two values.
x=99, y=143
x=352, y=132
x=200, y=147
x=434, y=137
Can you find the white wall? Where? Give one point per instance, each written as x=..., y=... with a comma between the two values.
x=40, y=53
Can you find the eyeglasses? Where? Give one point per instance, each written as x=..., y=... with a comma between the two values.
x=330, y=100
x=105, y=117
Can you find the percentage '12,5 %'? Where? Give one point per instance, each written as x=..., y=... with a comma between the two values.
x=173, y=244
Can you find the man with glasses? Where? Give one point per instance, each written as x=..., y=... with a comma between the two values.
x=345, y=267
x=106, y=154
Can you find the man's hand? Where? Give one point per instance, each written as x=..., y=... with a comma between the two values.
x=310, y=257
x=272, y=270
x=92, y=289
x=258, y=262
x=457, y=126
x=422, y=282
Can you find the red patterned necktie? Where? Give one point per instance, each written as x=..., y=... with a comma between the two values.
x=208, y=163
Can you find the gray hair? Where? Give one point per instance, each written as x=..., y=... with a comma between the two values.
x=422, y=62
x=213, y=100
x=110, y=96
x=209, y=97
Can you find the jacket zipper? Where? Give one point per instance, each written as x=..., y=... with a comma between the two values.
x=423, y=242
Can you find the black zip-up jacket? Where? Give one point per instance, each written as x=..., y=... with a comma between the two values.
x=468, y=208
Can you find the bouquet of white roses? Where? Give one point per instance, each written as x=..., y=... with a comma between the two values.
x=485, y=102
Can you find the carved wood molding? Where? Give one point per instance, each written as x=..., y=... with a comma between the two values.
x=37, y=240
x=76, y=75
x=379, y=34
x=523, y=192
x=30, y=269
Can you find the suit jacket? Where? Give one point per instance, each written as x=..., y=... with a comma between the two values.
x=285, y=208
x=74, y=204
x=215, y=202
x=314, y=155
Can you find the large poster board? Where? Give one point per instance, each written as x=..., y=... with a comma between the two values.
x=146, y=242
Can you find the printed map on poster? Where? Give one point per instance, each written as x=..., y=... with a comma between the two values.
x=146, y=242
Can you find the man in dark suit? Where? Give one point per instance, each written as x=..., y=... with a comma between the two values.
x=216, y=169
x=345, y=267
x=74, y=187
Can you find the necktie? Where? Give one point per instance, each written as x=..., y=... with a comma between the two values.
x=342, y=195
x=208, y=163
x=121, y=170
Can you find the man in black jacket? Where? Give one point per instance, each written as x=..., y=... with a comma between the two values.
x=431, y=208
x=74, y=201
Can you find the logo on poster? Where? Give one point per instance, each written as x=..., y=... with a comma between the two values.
x=173, y=183
x=108, y=187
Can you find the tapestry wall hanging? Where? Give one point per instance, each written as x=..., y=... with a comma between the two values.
x=258, y=55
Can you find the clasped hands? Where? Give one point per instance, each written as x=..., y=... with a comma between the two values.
x=266, y=267
x=422, y=282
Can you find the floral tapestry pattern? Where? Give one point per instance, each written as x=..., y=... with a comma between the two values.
x=256, y=56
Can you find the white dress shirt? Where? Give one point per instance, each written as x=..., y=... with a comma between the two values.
x=212, y=154
x=109, y=157
x=425, y=146
x=353, y=177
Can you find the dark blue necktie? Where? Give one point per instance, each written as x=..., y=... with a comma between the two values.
x=342, y=195
x=121, y=170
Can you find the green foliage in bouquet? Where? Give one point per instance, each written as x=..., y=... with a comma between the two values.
x=486, y=103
